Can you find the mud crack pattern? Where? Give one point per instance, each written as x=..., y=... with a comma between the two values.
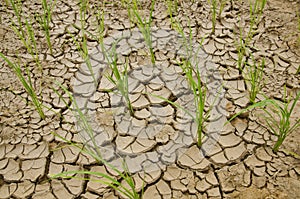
x=239, y=162
x=158, y=133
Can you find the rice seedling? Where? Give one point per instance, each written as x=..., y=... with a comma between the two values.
x=215, y=5
x=251, y=71
x=193, y=76
x=105, y=179
x=214, y=14
x=172, y=7
x=98, y=13
x=298, y=70
x=26, y=35
x=83, y=12
x=100, y=26
x=127, y=189
x=82, y=46
x=45, y=19
x=256, y=11
x=298, y=19
x=82, y=120
x=241, y=51
x=253, y=76
x=221, y=7
x=119, y=78
x=283, y=111
x=27, y=84
x=278, y=116
x=199, y=91
x=143, y=24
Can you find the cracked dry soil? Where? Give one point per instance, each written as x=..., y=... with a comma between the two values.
x=240, y=164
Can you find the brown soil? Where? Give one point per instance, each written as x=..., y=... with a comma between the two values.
x=240, y=165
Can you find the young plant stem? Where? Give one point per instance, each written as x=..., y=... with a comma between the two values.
x=119, y=78
x=26, y=35
x=193, y=76
x=82, y=120
x=214, y=14
x=284, y=112
x=107, y=179
x=82, y=46
x=172, y=8
x=253, y=76
x=45, y=19
x=199, y=93
x=298, y=69
x=256, y=11
x=101, y=27
x=94, y=151
x=144, y=25
x=280, y=110
x=27, y=84
x=222, y=5
x=241, y=50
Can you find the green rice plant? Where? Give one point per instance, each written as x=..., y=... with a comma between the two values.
x=199, y=91
x=82, y=120
x=82, y=46
x=27, y=84
x=298, y=19
x=298, y=70
x=128, y=191
x=253, y=76
x=215, y=5
x=143, y=24
x=193, y=76
x=214, y=14
x=221, y=7
x=119, y=78
x=26, y=35
x=256, y=11
x=97, y=12
x=241, y=49
x=172, y=7
x=83, y=14
x=278, y=117
x=283, y=111
x=252, y=72
x=100, y=26
x=110, y=181
x=45, y=19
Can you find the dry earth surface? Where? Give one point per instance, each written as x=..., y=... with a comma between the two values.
x=234, y=162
